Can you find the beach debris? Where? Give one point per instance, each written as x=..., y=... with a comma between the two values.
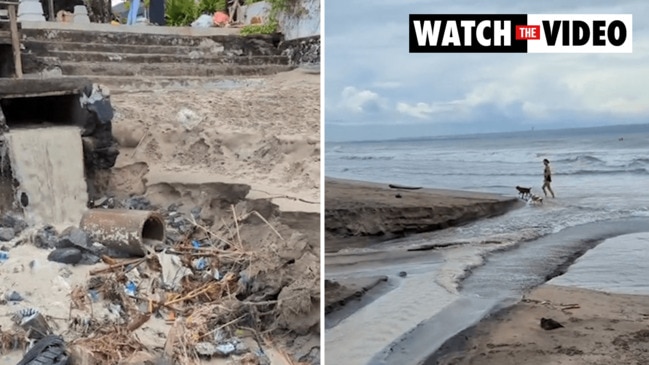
x=25, y=312
x=567, y=307
x=73, y=237
x=220, y=19
x=70, y=255
x=200, y=264
x=50, y=350
x=103, y=202
x=36, y=326
x=403, y=274
x=7, y=234
x=188, y=118
x=549, y=324
x=4, y=256
x=203, y=21
x=398, y=196
x=216, y=293
x=46, y=237
x=13, y=296
x=124, y=232
x=130, y=289
x=138, y=203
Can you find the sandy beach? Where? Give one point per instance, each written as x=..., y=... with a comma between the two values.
x=598, y=328
x=366, y=280
x=209, y=154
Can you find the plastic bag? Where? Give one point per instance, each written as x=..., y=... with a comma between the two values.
x=203, y=21
x=221, y=18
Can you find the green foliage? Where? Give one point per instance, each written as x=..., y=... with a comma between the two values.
x=181, y=13
x=272, y=25
x=267, y=28
x=211, y=6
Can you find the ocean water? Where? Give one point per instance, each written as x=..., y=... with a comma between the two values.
x=600, y=177
x=598, y=174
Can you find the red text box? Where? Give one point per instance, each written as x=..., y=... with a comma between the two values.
x=527, y=32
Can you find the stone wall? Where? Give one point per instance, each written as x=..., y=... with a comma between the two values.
x=302, y=51
x=301, y=21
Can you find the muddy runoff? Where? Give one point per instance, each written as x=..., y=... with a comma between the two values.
x=201, y=274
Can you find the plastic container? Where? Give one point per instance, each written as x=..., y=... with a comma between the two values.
x=4, y=256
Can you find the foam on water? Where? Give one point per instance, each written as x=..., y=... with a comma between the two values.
x=48, y=165
x=356, y=339
x=617, y=265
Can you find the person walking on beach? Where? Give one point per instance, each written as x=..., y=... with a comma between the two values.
x=547, y=178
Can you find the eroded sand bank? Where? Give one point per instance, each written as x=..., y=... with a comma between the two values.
x=359, y=213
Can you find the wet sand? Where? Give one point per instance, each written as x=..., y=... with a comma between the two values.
x=368, y=284
x=599, y=328
x=358, y=213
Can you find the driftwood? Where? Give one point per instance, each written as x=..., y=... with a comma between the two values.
x=394, y=186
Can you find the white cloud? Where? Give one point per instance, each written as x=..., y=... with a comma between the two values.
x=419, y=110
x=383, y=83
x=359, y=101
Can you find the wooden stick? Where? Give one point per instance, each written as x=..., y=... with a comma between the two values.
x=236, y=225
x=118, y=265
x=15, y=41
x=138, y=322
x=223, y=326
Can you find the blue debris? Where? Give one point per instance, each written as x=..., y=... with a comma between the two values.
x=196, y=244
x=200, y=264
x=4, y=256
x=131, y=288
x=94, y=295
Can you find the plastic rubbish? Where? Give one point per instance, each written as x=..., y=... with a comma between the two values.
x=221, y=18
x=225, y=349
x=48, y=350
x=200, y=264
x=13, y=296
x=203, y=21
x=94, y=295
x=4, y=256
x=24, y=313
x=196, y=244
x=130, y=289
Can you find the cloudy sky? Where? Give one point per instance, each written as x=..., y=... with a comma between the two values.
x=375, y=89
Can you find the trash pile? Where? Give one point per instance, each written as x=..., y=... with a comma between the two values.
x=224, y=291
x=218, y=19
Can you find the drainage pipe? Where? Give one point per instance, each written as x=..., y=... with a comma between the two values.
x=124, y=231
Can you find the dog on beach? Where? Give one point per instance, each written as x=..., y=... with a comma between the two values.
x=535, y=199
x=524, y=192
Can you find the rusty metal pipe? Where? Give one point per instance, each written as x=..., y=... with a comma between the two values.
x=124, y=231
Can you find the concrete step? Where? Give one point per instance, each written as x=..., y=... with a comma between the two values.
x=231, y=44
x=168, y=69
x=127, y=84
x=196, y=57
x=42, y=47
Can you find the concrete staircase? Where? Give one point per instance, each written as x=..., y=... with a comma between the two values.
x=127, y=58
